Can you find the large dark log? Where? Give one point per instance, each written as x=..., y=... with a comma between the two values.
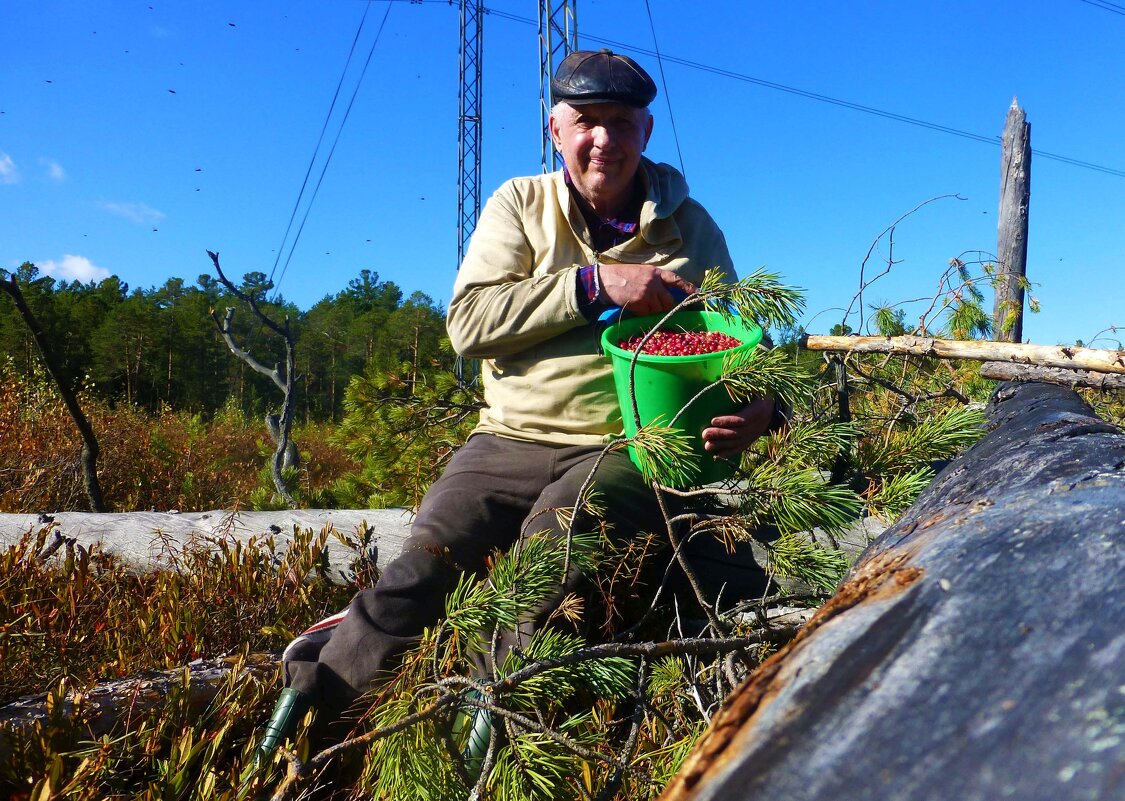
x=976, y=651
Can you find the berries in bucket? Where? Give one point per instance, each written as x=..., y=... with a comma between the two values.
x=681, y=343
x=667, y=382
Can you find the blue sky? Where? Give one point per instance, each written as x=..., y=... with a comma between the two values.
x=136, y=135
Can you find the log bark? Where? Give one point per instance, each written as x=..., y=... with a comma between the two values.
x=1003, y=371
x=1096, y=359
x=975, y=651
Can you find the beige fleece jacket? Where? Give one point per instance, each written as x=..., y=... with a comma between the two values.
x=515, y=301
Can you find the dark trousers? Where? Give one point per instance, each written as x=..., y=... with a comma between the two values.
x=494, y=492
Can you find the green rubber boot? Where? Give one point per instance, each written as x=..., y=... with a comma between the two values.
x=473, y=725
x=287, y=714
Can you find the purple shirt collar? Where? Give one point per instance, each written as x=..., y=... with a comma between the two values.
x=625, y=228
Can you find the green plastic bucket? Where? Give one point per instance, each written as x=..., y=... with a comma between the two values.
x=664, y=384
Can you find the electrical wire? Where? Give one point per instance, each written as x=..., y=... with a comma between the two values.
x=1105, y=5
x=667, y=95
x=780, y=87
x=890, y=115
x=335, y=141
x=319, y=140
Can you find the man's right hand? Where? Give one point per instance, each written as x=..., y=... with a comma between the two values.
x=641, y=288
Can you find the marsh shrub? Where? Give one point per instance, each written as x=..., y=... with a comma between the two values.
x=171, y=459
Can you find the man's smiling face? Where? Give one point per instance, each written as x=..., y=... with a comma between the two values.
x=601, y=144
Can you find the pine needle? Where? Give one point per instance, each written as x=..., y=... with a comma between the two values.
x=760, y=296
x=768, y=373
x=795, y=557
x=665, y=454
x=895, y=495
x=798, y=500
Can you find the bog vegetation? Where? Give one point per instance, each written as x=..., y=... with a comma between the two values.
x=381, y=408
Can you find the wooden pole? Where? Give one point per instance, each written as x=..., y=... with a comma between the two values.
x=1011, y=239
x=1103, y=361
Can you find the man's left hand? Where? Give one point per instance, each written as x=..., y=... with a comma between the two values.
x=731, y=434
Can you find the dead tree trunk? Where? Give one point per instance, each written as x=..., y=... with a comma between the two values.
x=1011, y=236
x=285, y=453
x=90, y=450
x=125, y=703
x=976, y=649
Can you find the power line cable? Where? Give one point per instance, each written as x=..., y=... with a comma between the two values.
x=319, y=140
x=1105, y=5
x=780, y=87
x=890, y=115
x=335, y=141
x=664, y=83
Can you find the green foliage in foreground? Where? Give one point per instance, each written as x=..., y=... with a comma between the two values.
x=570, y=719
x=74, y=616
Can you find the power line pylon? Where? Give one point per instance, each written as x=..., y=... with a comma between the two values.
x=558, y=38
x=469, y=116
x=469, y=136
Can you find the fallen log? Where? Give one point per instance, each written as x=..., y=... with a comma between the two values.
x=976, y=650
x=123, y=704
x=1104, y=361
x=144, y=540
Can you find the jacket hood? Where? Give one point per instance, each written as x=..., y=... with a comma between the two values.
x=667, y=188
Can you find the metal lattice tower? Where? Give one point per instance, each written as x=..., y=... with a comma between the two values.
x=558, y=38
x=469, y=139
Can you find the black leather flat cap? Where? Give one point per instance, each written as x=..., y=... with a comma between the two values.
x=601, y=76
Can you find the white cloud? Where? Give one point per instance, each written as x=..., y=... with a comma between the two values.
x=73, y=268
x=54, y=170
x=9, y=172
x=134, y=212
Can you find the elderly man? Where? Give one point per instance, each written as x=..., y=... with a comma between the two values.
x=549, y=253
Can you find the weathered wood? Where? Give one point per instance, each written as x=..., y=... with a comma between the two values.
x=279, y=425
x=976, y=650
x=1096, y=359
x=125, y=703
x=1011, y=232
x=143, y=540
x=1004, y=371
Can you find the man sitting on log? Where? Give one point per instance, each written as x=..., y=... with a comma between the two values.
x=549, y=254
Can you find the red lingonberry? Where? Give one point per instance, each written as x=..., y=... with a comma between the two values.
x=681, y=343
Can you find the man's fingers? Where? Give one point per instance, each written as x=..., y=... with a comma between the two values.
x=671, y=279
x=728, y=422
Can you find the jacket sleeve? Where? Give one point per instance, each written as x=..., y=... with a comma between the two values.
x=501, y=304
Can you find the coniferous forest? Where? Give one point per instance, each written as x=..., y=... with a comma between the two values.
x=158, y=347
x=179, y=417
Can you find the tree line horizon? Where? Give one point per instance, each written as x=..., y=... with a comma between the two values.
x=158, y=346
